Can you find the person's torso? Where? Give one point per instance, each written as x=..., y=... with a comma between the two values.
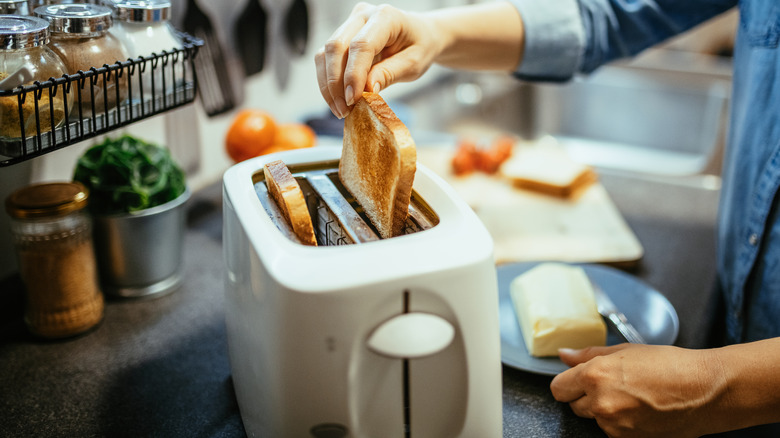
x=749, y=226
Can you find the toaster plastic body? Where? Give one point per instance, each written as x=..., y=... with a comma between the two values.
x=301, y=321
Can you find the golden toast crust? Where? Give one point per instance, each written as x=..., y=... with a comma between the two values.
x=287, y=194
x=378, y=163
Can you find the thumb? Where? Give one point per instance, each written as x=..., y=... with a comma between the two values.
x=572, y=357
x=399, y=67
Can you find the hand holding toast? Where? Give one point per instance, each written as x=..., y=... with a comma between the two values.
x=380, y=45
x=375, y=47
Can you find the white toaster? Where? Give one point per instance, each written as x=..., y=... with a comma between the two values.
x=359, y=337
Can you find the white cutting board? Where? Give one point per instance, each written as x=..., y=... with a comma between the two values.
x=528, y=226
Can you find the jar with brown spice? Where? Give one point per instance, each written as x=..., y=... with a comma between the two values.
x=24, y=58
x=53, y=237
x=80, y=36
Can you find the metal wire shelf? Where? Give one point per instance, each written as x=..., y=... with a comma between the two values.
x=174, y=69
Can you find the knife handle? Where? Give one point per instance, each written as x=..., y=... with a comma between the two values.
x=626, y=329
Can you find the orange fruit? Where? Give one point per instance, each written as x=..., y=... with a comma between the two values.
x=250, y=134
x=295, y=136
x=277, y=148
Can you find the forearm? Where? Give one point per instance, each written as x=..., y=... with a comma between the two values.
x=479, y=37
x=751, y=376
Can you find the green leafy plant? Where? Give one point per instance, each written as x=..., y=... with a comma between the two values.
x=127, y=174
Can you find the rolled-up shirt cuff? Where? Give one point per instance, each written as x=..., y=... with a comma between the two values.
x=554, y=39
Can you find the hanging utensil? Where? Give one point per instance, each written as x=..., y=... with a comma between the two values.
x=214, y=88
x=279, y=50
x=251, y=30
x=296, y=27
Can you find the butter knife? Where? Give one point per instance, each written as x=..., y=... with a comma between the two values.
x=609, y=310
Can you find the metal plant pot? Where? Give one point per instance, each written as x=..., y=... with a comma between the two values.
x=140, y=253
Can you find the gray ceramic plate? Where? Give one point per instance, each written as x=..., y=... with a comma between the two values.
x=649, y=311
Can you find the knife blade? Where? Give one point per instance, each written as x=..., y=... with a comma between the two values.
x=610, y=312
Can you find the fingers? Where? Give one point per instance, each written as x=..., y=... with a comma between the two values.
x=582, y=407
x=365, y=49
x=331, y=61
x=566, y=386
x=574, y=357
x=570, y=385
x=361, y=55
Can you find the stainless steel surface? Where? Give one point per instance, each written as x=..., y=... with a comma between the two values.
x=662, y=117
x=338, y=219
x=615, y=317
x=140, y=254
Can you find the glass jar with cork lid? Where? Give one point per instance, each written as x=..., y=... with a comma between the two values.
x=53, y=238
x=25, y=58
x=80, y=36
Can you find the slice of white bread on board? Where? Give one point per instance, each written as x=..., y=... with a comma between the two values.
x=287, y=194
x=378, y=162
x=548, y=169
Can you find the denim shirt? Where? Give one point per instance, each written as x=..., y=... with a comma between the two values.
x=565, y=37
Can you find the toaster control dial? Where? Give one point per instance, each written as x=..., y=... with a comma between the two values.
x=411, y=335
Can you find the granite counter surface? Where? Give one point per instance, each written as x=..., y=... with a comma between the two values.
x=159, y=367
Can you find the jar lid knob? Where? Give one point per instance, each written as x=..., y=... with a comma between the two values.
x=76, y=18
x=23, y=32
x=142, y=11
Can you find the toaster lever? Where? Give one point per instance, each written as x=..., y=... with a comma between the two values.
x=411, y=335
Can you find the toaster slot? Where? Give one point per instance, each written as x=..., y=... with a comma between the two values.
x=336, y=216
x=339, y=212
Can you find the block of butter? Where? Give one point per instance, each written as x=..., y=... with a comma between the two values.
x=557, y=309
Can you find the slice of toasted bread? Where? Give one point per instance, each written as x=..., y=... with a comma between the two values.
x=549, y=170
x=287, y=194
x=378, y=163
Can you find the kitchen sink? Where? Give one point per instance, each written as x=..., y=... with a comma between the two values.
x=661, y=116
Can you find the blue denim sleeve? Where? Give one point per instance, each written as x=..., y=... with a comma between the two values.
x=563, y=37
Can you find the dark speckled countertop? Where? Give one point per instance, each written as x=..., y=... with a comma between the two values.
x=159, y=367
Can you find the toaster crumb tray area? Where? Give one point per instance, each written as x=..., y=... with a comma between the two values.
x=337, y=217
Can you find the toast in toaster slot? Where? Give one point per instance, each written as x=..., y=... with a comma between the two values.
x=378, y=163
x=287, y=194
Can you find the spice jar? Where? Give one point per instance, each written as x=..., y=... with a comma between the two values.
x=14, y=7
x=80, y=36
x=144, y=28
x=24, y=58
x=53, y=237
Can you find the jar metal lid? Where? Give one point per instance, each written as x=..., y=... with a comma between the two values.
x=46, y=200
x=14, y=7
x=76, y=18
x=23, y=32
x=142, y=11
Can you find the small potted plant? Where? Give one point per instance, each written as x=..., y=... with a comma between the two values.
x=137, y=198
